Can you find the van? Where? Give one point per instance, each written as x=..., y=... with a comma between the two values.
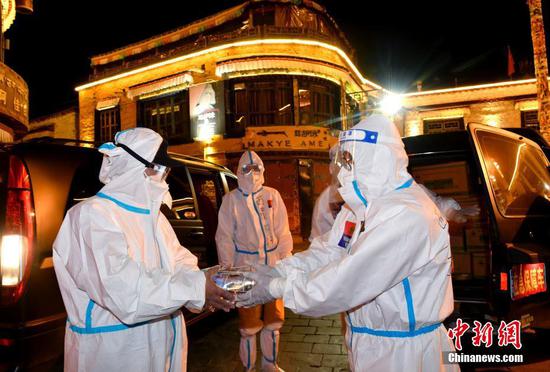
x=501, y=257
x=39, y=181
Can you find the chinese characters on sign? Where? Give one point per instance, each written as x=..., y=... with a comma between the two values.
x=508, y=334
x=286, y=138
x=527, y=279
x=14, y=96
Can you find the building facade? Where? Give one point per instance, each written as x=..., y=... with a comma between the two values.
x=509, y=104
x=62, y=124
x=276, y=77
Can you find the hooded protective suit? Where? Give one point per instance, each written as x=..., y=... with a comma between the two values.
x=122, y=273
x=252, y=229
x=386, y=261
x=323, y=214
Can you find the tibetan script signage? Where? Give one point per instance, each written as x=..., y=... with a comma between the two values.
x=14, y=97
x=287, y=138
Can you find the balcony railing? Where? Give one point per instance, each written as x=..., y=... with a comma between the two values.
x=207, y=41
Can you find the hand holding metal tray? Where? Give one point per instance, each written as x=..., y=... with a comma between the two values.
x=233, y=279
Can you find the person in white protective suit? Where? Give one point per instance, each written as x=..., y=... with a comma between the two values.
x=122, y=273
x=386, y=261
x=329, y=202
x=252, y=229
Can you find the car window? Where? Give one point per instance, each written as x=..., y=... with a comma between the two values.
x=183, y=204
x=85, y=182
x=518, y=175
x=207, y=190
x=232, y=183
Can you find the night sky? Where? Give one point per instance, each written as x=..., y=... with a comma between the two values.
x=443, y=43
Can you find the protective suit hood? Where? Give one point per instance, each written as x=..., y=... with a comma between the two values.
x=252, y=182
x=379, y=161
x=123, y=175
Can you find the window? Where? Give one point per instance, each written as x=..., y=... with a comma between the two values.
x=261, y=102
x=263, y=17
x=168, y=115
x=207, y=190
x=319, y=103
x=269, y=100
x=107, y=123
x=183, y=204
x=530, y=119
x=517, y=173
x=443, y=125
x=232, y=182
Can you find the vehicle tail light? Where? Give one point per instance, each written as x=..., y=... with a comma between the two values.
x=18, y=234
x=527, y=280
x=504, y=281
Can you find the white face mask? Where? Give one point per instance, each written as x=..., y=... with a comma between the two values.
x=350, y=192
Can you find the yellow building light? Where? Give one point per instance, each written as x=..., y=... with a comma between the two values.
x=243, y=43
x=470, y=87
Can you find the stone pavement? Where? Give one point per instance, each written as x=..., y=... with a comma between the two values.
x=307, y=344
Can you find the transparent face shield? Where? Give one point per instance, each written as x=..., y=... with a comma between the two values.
x=249, y=168
x=348, y=142
x=157, y=172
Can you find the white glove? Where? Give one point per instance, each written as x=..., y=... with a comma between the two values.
x=265, y=270
x=259, y=294
x=461, y=215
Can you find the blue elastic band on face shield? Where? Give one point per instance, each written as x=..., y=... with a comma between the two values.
x=358, y=135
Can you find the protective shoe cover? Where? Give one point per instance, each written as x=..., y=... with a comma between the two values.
x=386, y=263
x=122, y=273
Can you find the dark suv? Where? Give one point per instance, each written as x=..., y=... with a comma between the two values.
x=39, y=182
x=500, y=257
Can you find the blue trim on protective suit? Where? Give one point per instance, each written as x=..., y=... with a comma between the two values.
x=405, y=185
x=119, y=133
x=398, y=334
x=351, y=337
x=410, y=307
x=358, y=192
x=254, y=193
x=412, y=332
x=108, y=146
x=248, y=354
x=89, y=309
x=370, y=136
x=173, y=342
x=253, y=252
x=262, y=228
x=124, y=205
x=250, y=157
x=88, y=329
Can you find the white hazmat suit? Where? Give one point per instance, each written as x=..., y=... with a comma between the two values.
x=323, y=215
x=122, y=273
x=386, y=261
x=253, y=229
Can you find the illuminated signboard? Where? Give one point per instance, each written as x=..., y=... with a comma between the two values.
x=206, y=107
x=527, y=279
x=288, y=138
x=14, y=97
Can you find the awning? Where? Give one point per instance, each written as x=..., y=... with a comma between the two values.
x=106, y=104
x=171, y=36
x=284, y=65
x=176, y=81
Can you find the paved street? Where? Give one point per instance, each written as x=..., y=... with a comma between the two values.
x=307, y=344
